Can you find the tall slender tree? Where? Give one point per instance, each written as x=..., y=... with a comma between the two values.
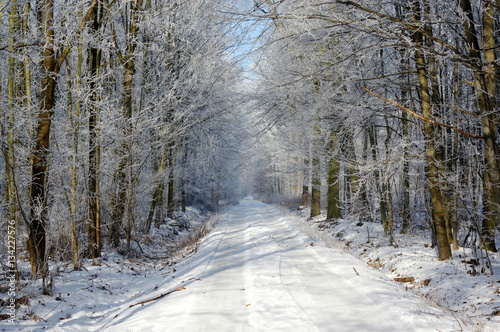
x=38, y=190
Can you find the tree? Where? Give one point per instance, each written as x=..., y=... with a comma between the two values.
x=38, y=192
x=333, y=207
x=177, y=83
x=482, y=58
x=94, y=202
x=434, y=158
x=316, y=173
x=392, y=50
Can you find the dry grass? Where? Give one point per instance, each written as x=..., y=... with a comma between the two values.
x=196, y=234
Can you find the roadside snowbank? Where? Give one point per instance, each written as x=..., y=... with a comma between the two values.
x=102, y=285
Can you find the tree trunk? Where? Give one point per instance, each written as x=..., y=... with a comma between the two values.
x=74, y=119
x=93, y=196
x=439, y=132
x=406, y=94
x=10, y=162
x=171, y=183
x=39, y=156
x=350, y=173
x=485, y=83
x=156, y=207
x=183, y=196
x=124, y=151
x=316, y=179
x=438, y=220
x=456, y=163
x=333, y=207
x=40, y=167
x=489, y=119
x=304, y=201
x=380, y=186
x=405, y=208
x=387, y=190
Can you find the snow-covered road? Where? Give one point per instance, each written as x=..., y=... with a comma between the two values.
x=257, y=272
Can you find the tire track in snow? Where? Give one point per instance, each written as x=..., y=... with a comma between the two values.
x=287, y=283
x=271, y=304
x=219, y=299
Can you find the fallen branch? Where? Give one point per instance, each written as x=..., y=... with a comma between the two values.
x=158, y=297
x=405, y=279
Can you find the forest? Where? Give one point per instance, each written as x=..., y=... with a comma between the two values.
x=116, y=115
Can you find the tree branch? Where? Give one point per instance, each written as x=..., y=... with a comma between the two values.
x=421, y=117
x=66, y=51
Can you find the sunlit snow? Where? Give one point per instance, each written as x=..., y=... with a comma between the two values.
x=257, y=272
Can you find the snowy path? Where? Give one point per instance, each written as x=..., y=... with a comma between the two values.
x=256, y=272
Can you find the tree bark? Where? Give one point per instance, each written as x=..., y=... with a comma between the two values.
x=333, y=207
x=10, y=161
x=490, y=119
x=156, y=207
x=355, y=195
x=40, y=167
x=316, y=179
x=432, y=158
x=74, y=119
x=380, y=186
x=485, y=83
x=304, y=200
x=93, y=196
x=439, y=132
x=170, y=183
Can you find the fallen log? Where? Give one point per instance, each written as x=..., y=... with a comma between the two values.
x=158, y=297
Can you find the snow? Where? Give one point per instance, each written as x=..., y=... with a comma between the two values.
x=463, y=285
x=263, y=270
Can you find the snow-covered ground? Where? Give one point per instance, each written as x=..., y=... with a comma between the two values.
x=463, y=286
x=86, y=295
x=257, y=271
